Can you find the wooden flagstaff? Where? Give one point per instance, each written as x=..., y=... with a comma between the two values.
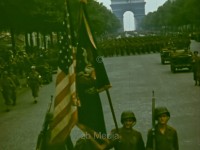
x=110, y=103
x=112, y=109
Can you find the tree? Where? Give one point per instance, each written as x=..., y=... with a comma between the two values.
x=47, y=15
x=175, y=14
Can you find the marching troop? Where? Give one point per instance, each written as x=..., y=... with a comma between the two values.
x=20, y=67
x=160, y=137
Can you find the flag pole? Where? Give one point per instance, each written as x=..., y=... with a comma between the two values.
x=112, y=109
x=110, y=103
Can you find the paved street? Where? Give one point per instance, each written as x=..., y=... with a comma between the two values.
x=133, y=78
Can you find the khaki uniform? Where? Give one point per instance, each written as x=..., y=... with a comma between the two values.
x=196, y=69
x=166, y=141
x=8, y=90
x=34, y=81
x=126, y=139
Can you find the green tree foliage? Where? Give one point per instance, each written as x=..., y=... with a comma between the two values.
x=102, y=19
x=174, y=14
x=46, y=16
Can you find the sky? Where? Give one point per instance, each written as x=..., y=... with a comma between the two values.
x=150, y=6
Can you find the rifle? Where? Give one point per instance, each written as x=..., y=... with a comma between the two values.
x=42, y=137
x=153, y=121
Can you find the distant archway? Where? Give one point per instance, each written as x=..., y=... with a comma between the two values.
x=119, y=7
x=128, y=21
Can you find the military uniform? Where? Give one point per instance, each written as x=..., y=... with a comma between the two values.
x=34, y=81
x=167, y=140
x=8, y=87
x=198, y=71
x=126, y=138
x=129, y=139
x=196, y=67
x=84, y=143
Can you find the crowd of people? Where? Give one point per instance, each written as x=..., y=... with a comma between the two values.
x=22, y=66
x=9, y=83
x=21, y=62
x=141, y=44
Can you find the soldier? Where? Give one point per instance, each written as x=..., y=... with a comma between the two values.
x=17, y=83
x=198, y=71
x=126, y=138
x=166, y=137
x=195, y=60
x=7, y=88
x=34, y=82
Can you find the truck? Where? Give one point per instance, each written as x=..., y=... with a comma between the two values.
x=181, y=59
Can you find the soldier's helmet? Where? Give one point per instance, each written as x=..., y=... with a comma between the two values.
x=161, y=110
x=127, y=115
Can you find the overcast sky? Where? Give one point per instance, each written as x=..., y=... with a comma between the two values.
x=150, y=6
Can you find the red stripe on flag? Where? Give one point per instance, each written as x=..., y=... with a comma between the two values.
x=60, y=76
x=65, y=113
x=66, y=131
x=65, y=91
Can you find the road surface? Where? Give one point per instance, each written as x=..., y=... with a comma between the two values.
x=133, y=79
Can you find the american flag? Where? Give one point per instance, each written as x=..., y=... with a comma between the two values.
x=65, y=112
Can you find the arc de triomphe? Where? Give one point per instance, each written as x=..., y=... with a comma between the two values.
x=137, y=7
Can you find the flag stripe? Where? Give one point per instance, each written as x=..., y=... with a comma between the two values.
x=62, y=89
x=61, y=134
x=65, y=109
x=64, y=112
x=60, y=76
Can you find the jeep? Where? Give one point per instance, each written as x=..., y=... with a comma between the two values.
x=181, y=59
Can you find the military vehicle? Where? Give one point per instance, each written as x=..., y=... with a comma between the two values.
x=180, y=59
x=165, y=55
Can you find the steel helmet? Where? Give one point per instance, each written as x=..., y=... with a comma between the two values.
x=161, y=110
x=126, y=115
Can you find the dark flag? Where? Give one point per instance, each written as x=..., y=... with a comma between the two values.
x=65, y=110
x=91, y=77
x=87, y=41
